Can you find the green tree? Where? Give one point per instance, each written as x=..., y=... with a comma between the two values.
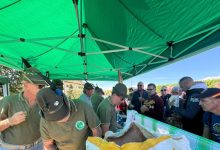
x=14, y=76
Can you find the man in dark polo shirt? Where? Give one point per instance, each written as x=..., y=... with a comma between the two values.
x=19, y=117
x=106, y=109
x=65, y=124
x=97, y=98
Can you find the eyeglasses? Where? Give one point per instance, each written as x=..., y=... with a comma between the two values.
x=150, y=89
x=140, y=85
x=163, y=90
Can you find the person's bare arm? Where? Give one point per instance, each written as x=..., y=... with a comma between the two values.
x=105, y=128
x=16, y=119
x=97, y=132
x=49, y=145
x=4, y=124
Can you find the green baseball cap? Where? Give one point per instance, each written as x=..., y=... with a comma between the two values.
x=120, y=89
x=88, y=86
x=53, y=107
x=58, y=83
x=34, y=79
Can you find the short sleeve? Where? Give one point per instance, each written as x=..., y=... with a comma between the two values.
x=43, y=130
x=91, y=117
x=4, y=106
x=104, y=115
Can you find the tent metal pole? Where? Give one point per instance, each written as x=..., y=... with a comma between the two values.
x=107, y=42
x=141, y=69
x=37, y=39
x=54, y=47
x=191, y=45
x=134, y=49
x=140, y=51
x=158, y=62
x=46, y=45
x=106, y=52
x=198, y=33
x=159, y=54
x=100, y=77
x=75, y=3
x=54, y=38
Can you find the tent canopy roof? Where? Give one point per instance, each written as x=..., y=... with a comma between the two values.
x=95, y=39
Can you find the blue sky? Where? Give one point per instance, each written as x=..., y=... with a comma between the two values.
x=203, y=65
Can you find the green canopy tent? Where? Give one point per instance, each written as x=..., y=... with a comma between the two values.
x=93, y=39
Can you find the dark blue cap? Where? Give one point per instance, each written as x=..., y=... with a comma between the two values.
x=210, y=92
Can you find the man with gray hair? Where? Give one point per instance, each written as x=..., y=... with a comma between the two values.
x=139, y=97
x=19, y=117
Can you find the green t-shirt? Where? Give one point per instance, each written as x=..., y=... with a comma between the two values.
x=26, y=132
x=71, y=135
x=107, y=115
x=96, y=99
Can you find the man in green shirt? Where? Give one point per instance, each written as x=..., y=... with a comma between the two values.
x=97, y=98
x=65, y=124
x=106, y=109
x=19, y=117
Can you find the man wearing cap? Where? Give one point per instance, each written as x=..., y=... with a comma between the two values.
x=190, y=110
x=97, y=98
x=106, y=109
x=210, y=102
x=58, y=83
x=88, y=90
x=19, y=117
x=65, y=124
x=138, y=97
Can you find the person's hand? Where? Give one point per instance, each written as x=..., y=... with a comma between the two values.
x=17, y=118
x=183, y=96
x=144, y=109
x=141, y=99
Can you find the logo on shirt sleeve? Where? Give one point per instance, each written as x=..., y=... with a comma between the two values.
x=80, y=125
x=216, y=128
x=194, y=100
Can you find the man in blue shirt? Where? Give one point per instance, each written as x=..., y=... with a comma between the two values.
x=208, y=100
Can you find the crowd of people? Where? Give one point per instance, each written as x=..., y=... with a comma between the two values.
x=191, y=106
x=42, y=117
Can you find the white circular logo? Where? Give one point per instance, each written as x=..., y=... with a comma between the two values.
x=56, y=103
x=80, y=125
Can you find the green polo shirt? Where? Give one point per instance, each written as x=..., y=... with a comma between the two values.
x=96, y=99
x=71, y=135
x=26, y=132
x=107, y=115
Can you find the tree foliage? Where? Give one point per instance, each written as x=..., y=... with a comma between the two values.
x=14, y=77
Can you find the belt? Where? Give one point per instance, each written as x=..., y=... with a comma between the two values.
x=19, y=147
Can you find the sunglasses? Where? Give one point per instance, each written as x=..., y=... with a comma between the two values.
x=140, y=85
x=150, y=89
x=163, y=90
